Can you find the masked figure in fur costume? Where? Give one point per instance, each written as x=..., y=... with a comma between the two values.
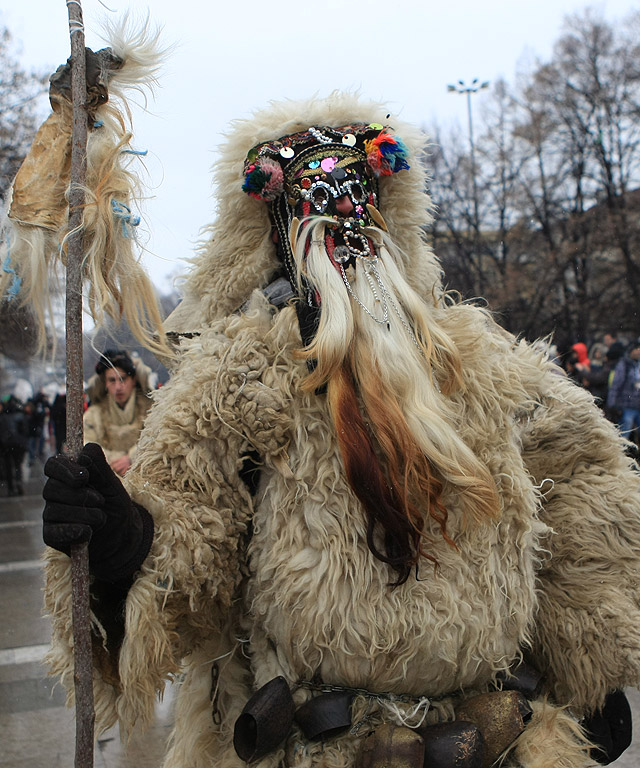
x=357, y=506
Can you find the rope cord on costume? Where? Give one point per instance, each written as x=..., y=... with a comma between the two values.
x=390, y=701
x=403, y=698
x=123, y=213
x=75, y=26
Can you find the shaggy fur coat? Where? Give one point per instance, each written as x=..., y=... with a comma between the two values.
x=240, y=588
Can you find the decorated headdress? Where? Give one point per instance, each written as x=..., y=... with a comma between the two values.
x=292, y=162
x=261, y=180
x=307, y=173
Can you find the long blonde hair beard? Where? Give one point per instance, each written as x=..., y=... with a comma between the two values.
x=387, y=384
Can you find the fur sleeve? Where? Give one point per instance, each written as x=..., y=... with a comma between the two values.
x=587, y=638
x=92, y=426
x=94, y=431
x=214, y=410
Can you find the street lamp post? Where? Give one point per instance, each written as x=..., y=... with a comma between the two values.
x=462, y=88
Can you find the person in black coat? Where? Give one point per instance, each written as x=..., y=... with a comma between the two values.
x=38, y=409
x=58, y=416
x=596, y=379
x=14, y=438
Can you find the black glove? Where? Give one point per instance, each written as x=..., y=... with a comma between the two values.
x=610, y=728
x=85, y=501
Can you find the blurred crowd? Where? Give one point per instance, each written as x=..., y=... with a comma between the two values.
x=33, y=426
x=610, y=370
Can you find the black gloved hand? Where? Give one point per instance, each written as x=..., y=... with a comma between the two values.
x=610, y=728
x=85, y=501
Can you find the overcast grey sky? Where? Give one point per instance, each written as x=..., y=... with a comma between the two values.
x=233, y=57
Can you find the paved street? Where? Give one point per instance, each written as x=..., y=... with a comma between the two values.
x=37, y=731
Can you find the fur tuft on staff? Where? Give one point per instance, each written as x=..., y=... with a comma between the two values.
x=35, y=227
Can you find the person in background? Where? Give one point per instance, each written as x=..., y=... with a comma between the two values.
x=38, y=408
x=582, y=362
x=119, y=398
x=615, y=347
x=58, y=416
x=624, y=390
x=596, y=379
x=14, y=436
x=576, y=362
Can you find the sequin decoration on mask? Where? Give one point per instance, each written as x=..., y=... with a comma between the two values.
x=322, y=150
x=328, y=172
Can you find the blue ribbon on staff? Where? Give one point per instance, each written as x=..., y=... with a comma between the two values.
x=14, y=288
x=123, y=213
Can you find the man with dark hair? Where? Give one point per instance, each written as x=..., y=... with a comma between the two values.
x=119, y=405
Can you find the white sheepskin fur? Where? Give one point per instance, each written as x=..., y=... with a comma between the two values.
x=283, y=583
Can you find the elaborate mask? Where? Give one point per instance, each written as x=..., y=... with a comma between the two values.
x=331, y=172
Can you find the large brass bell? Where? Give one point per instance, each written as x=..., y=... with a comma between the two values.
x=501, y=717
x=391, y=746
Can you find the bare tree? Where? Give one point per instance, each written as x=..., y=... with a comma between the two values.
x=20, y=92
x=452, y=230
x=557, y=166
x=591, y=95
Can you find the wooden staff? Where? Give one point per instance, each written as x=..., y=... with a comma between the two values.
x=82, y=656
